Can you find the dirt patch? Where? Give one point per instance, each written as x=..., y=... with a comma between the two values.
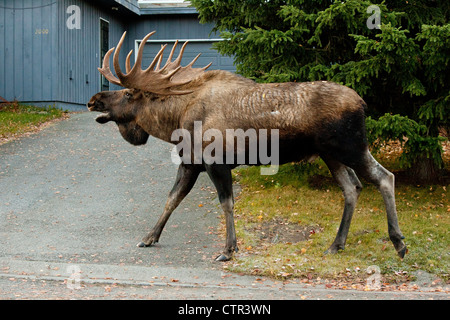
x=283, y=231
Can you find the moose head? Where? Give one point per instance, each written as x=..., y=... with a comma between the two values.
x=142, y=86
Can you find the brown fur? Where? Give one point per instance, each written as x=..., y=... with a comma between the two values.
x=223, y=100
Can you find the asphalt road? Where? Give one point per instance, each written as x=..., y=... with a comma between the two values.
x=76, y=199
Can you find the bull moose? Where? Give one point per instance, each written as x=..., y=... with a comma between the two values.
x=319, y=118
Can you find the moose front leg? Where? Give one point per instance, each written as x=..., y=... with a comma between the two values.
x=220, y=175
x=186, y=177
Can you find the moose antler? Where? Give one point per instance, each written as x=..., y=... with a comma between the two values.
x=153, y=79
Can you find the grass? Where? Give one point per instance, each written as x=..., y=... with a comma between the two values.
x=272, y=210
x=16, y=119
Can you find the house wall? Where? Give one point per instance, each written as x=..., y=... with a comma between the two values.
x=178, y=27
x=42, y=60
x=28, y=33
x=185, y=26
x=79, y=51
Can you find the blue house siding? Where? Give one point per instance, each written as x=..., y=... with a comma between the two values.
x=172, y=26
x=191, y=51
x=79, y=51
x=26, y=36
x=43, y=62
x=179, y=27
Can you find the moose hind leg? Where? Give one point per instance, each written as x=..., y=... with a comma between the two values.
x=220, y=175
x=351, y=187
x=375, y=173
x=185, y=180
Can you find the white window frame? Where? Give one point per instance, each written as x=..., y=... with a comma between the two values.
x=100, y=44
x=137, y=42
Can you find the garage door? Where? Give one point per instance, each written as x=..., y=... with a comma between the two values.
x=193, y=48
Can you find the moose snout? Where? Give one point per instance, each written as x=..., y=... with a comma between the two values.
x=90, y=105
x=95, y=104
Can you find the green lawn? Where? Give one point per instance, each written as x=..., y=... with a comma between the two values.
x=285, y=222
x=18, y=119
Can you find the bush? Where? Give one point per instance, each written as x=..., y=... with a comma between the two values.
x=413, y=138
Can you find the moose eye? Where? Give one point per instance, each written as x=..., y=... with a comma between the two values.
x=128, y=95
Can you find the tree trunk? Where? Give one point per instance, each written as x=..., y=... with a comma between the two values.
x=425, y=171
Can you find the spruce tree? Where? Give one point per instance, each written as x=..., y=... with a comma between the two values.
x=395, y=54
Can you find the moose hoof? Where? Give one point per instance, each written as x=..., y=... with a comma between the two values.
x=142, y=245
x=222, y=258
x=401, y=253
x=333, y=249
